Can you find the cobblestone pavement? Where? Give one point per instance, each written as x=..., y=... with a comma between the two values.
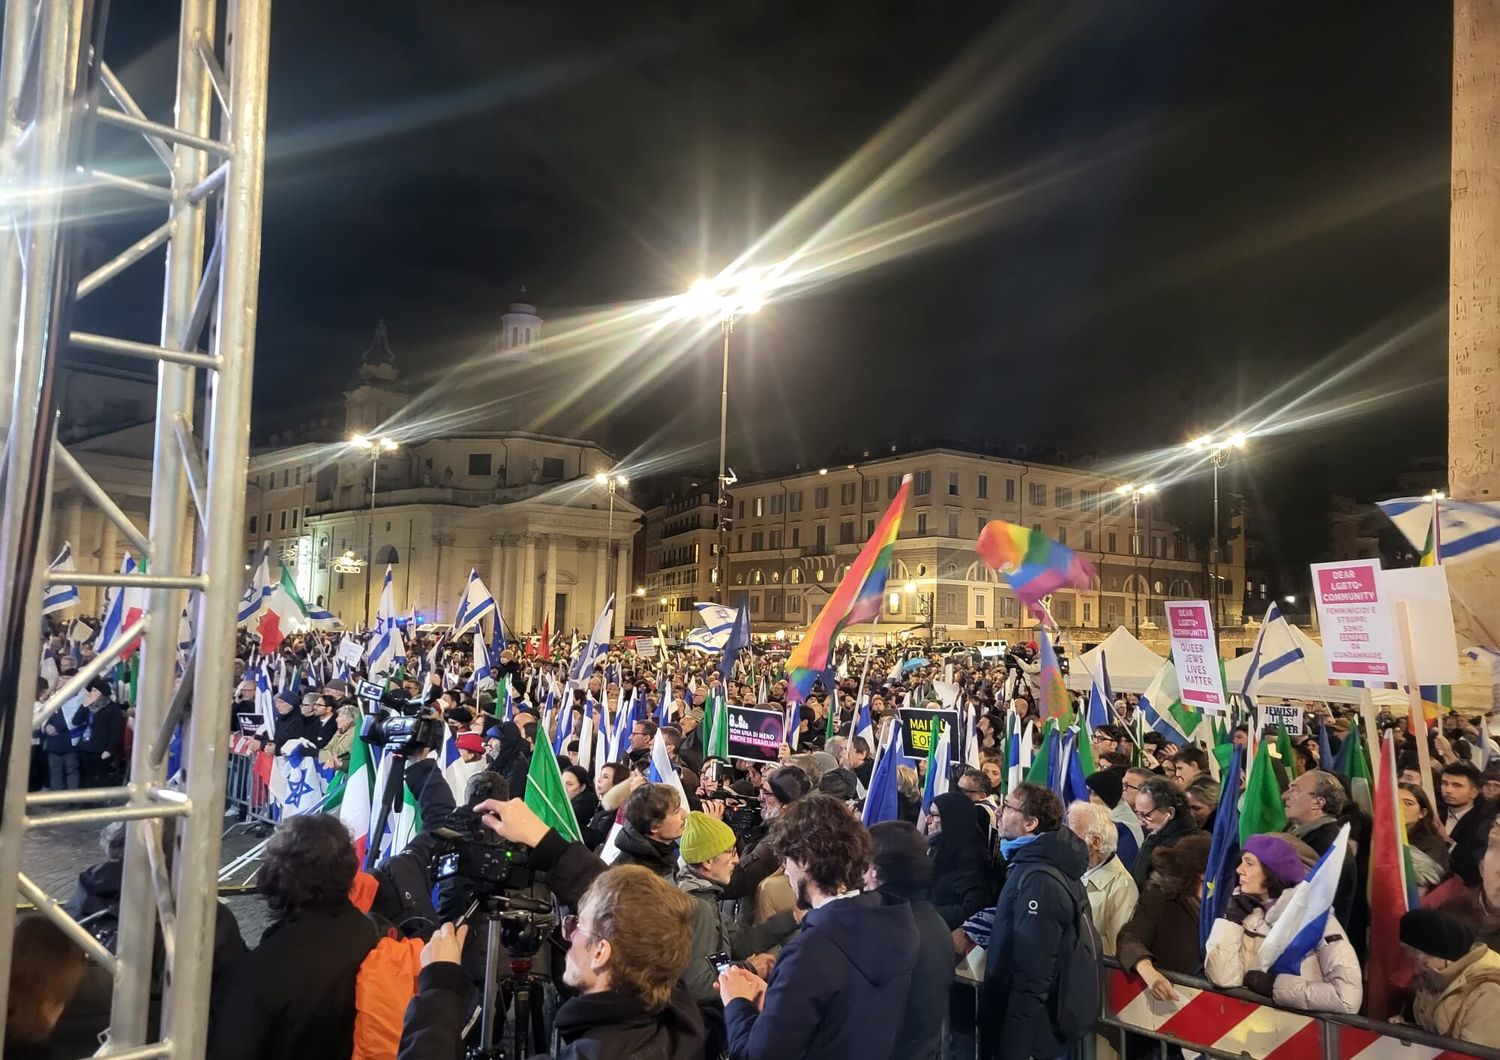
x=53, y=857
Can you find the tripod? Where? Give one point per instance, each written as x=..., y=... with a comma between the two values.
x=395, y=787
x=524, y=923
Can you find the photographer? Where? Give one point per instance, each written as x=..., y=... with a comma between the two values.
x=627, y=948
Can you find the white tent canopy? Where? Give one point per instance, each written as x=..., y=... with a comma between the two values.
x=1131, y=664
x=1304, y=679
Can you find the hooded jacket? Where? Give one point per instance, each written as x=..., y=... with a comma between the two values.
x=838, y=990
x=611, y=1025
x=962, y=872
x=921, y=1034
x=713, y=932
x=637, y=849
x=1033, y=914
x=1169, y=833
x=1463, y=1000
x=1328, y=980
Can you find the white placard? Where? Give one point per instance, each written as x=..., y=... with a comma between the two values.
x=1193, y=653
x=1359, y=638
x=1283, y=714
x=1434, y=643
x=350, y=652
x=946, y=692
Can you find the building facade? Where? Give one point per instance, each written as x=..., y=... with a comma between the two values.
x=524, y=509
x=675, y=564
x=793, y=538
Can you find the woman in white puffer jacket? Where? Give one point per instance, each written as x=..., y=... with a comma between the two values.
x=1329, y=979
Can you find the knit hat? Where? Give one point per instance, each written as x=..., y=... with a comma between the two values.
x=470, y=741
x=1437, y=933
x=704, y=837
x=492, y=733
x=789, y=783
x=1278, y=856
x=1108, y=784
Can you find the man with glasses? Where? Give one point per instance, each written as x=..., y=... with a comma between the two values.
x=641, y=735
x=1162, y=809
x=1037, y=910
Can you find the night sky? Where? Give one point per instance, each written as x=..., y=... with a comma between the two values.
x=1183, y=207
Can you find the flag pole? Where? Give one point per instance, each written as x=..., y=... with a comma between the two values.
x=1418, y=719
x=863, y=677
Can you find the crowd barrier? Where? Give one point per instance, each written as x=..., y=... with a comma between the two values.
x=1236, y=1024
x=247, y=786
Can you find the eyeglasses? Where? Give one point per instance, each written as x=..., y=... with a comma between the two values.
x=1011, y=807
x=571, y=926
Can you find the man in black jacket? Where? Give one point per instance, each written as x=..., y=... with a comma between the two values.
x=101, y=748
x=1464, y=818
x=1314, y=802
x=1037, y=907
x=902, y=869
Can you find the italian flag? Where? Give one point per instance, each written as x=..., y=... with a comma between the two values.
x=284, y=611
x=354, y=802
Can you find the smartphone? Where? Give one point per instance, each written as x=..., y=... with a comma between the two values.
x=720, y=961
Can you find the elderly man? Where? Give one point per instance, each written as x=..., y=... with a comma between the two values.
x=1111, y=889
x=1313, y=803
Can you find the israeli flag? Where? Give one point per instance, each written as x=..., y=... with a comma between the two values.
x=660, y=771
x=387, y=650
x=1101, y=698
x=476, y=603
x=482, y=668
x=1157, y=702
x=1262, y=663
x=257, y=593
x=940, y=769
x=597, y=646
x=1463, y=526
x=115, y=608
x=1304, y=921
x=59, y=597
x=718, y=623
x=296, y=785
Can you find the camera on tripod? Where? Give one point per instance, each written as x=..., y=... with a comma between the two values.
x=400, y=725
x=489, y=866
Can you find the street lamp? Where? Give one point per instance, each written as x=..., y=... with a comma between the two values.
x=374, y=446
x=923, y=607
x=1135, y=491
x=1219, y=450
x=611, y=482
x=725, y=297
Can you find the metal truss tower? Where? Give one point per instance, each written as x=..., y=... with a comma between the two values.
x=57, y=88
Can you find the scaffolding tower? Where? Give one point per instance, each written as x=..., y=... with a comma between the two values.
x=57, y=87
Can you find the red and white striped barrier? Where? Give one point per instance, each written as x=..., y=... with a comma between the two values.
x=1218, y=1021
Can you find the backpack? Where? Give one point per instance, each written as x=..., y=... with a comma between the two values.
x=387, y=981
x=1077, y=995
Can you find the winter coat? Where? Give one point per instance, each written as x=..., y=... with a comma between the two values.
x=1169, y=833
x=512, y=761
x=596, y=830
x=293, y=995
x=713, y=932
x=1112, y=900
x=839, y=988
x=1463, y=1000
x=1164, y=930
x=962, y=873
x=1034, y=912
x=1320, y=838
x=335, y=754
x=636, y=849
x=921, y=1033
x=103, y=730
x=60, y=740
x=1328, y=981
x=611, y=1025
x=434, y=1020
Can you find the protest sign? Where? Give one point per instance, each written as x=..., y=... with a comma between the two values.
x=350, y=651
x=755, y=734
x=1283, y=714
x=1434, y=642
x=1359, y=638
x=1192, y=631
x=916, y=728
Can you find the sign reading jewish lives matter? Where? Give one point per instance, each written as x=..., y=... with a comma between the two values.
x=1194, y=654
x=756, y=735
x=1359, y=638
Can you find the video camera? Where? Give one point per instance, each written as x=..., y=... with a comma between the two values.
x=471, y=853
x=400, y=725
x=741, y=812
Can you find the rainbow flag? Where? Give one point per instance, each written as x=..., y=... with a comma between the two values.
x=1030, y=562
x=857, y=599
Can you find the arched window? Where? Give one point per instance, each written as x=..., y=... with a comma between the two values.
x=387, y=554
x=795, y=577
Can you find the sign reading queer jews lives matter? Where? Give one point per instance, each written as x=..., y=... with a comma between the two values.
x=756, y=735
x=916, y=729
x=1192, y=629
x=1359, y=639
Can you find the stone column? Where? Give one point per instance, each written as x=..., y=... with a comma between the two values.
x=549, y=592
x=1474, y=221
x=601, y=576
x=622, y=589
x=497, y=575
x=528, y=619
x=109, y=539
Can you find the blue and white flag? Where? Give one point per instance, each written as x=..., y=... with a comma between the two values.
x=1156, y=706
x=1219, y=876
x=597, y=646
x=1270, y=658
x=122, y=606
x=1304, y=921
x=1101, y=698
x=940, y=769
x=256, y=593
x=296, y=785
x=60, y=597
x=880, y=803
x=1464, y=527
x=476, y=603
x=718, y=620
x=659, y=769
x=739, y=637
x=387, y=650
x=663, y=699
x=482, y=668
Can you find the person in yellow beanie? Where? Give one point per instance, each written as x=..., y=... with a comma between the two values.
x=708, y=848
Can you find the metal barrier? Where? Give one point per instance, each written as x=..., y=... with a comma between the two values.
x=1235, y=1024
x=247, y=789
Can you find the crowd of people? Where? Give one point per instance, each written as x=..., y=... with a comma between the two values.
x=745, y=910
